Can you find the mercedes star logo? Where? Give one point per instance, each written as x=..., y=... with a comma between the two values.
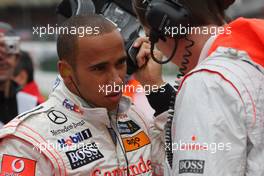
x=57, y=117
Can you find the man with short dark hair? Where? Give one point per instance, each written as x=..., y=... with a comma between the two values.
x=84, y=128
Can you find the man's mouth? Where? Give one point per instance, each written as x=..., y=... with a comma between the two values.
x=114, y=96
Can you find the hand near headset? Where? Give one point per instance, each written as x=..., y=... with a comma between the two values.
x=149, y=72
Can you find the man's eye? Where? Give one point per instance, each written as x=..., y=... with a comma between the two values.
x=98, y=68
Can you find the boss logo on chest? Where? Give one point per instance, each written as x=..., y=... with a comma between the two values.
x=84, y=155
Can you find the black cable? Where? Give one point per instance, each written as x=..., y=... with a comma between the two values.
x=154, y=37
x=79, y=92
x=186, y=56
x=168, y=126
x=185, y=62
x=121, y=146
x=127, y=162
x=76, y=87
x=168, y=136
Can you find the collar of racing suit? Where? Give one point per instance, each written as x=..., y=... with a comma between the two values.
x=206, y=48
x=82, y=109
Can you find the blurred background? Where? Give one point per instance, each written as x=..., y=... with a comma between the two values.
x=23, y=15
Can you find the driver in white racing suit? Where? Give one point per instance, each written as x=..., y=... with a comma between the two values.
x=84, y=128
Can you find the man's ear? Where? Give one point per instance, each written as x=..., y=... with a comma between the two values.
x=64, y=70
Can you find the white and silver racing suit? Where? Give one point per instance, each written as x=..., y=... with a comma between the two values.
x=218, y=127
x=64, y=137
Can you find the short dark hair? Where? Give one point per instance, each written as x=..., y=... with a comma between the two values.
x=25, y=63
x=67, y=45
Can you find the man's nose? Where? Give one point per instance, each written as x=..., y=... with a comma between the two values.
x=114, y=77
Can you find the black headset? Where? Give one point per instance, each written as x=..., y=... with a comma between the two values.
x=169, y=13
x=162, y=14
x=166, y=13
x=68, y=8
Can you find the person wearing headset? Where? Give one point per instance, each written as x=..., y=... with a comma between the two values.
x=217, y=128
x=85, y=127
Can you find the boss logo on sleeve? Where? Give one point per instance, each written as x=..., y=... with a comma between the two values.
x=191, y=166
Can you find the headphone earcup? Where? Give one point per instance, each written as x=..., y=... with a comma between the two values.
x=163, y=14
x=68, y=8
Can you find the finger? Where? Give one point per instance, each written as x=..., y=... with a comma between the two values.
x=158, y=55
x=145, y=45
x=145, y=64
x=142, y=56
x=138, y=42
